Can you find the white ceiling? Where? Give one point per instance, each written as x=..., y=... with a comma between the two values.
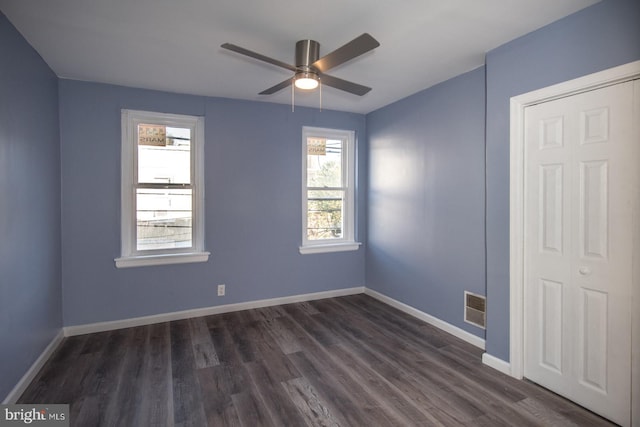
x=175, y=45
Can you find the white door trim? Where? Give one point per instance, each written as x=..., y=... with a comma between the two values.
x=608, y=77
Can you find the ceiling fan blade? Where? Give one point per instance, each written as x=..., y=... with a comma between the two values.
x=255, y=55
x=355, y=47
x=345, y=85
x=276, y=88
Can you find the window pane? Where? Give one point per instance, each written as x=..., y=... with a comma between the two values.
x=163, y=219
x=324, y=162
x=164, y=154
x=324, y=214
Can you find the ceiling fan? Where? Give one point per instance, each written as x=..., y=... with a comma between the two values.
x=310, y=69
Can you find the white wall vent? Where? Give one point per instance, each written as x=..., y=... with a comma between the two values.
x=475, y=309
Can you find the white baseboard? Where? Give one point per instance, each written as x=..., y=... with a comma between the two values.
x=441, y=324
x=26, y=379
x=206, y=311
x=497, y=364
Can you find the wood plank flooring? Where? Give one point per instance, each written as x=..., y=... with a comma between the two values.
x=349, y=361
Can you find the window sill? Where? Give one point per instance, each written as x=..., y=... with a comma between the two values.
x=164, y=259
x=330, y=247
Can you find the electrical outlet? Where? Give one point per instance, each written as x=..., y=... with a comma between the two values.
x=221, y=290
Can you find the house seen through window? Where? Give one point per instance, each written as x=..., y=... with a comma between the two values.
x=164, y=192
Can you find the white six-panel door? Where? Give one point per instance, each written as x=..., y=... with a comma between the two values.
x=579, y=189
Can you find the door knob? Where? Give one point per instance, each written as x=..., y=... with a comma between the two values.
x=584, y=271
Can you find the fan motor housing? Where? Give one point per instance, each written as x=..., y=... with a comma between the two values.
x=307, y=52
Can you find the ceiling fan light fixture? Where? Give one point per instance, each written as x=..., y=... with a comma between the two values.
x=310, y=69
x=307, y=80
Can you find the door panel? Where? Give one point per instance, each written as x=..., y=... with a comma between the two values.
x=551, y=316
x=593, y=332
x=593, y=209
x=579, y=159
x=551, y=225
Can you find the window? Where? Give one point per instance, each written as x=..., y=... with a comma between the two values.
x=328, y=199
x=162, y=208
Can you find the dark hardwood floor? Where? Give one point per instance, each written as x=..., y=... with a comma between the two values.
x=349, y=361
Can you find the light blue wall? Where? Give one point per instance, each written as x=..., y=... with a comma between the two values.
x=426, y=198
x=253, y=206
x=599, y=37
x=30, y=290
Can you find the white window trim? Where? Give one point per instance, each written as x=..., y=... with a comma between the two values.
x=129, y=255
x=347, y=243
